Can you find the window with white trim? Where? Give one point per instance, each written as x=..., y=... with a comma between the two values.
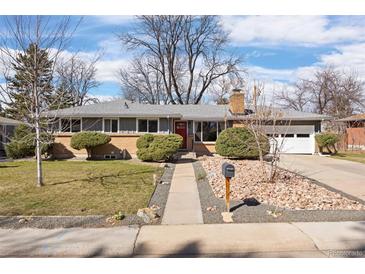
x=147, y=125
x=207, y=131
x=70, y=125
x=110, y=125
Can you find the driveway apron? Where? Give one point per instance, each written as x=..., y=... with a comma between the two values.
x=346, y=176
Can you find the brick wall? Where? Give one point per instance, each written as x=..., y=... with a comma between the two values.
x=355, y=138
x=62, y=148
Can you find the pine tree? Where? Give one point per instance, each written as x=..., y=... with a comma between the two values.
x=63, y=97
x=32, y=66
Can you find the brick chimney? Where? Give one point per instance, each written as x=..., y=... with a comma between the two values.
x=237, y=101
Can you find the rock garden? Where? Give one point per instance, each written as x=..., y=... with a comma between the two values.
x=256, y=198
x=289, y=190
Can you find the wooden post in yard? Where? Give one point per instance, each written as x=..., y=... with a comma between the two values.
x=227, y=192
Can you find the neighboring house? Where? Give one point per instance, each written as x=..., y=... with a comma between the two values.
x=199, y=125
x=355, y=131
x=7, y=128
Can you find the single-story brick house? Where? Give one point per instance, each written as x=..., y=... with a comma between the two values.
x=355, y=131
x=7, y=128
x=199, y=125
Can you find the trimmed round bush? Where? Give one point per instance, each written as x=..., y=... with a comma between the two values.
x=327, y=140
x=158, y=147
x=240, y=143
x=89, y=140
x=144, y=141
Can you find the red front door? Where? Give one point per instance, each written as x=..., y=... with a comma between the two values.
x=180, y=128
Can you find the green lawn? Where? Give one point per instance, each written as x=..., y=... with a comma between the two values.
x=350, y=156
x=75, y=187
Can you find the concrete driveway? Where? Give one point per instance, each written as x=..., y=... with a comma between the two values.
x=346, y=176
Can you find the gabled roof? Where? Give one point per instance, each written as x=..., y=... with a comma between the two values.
x=356, y=117
x=9, y=122
x=125, y=108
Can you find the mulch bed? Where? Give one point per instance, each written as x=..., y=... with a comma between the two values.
x=251, y=210
x=158, y=201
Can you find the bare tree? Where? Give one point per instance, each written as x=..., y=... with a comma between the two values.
x=298, y=99
x=75, y=78
x=29, y=35
x=329, y=91
x=189, y=50
x=224, y=85
x=140, y=82
x=266, y=122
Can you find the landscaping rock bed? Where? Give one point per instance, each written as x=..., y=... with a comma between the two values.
x=159, y=197
x=290, y=190
x=250, y=210
x=157, y=203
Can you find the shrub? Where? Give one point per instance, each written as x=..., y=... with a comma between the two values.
x=158, y=147
x=144, y=141
x=23, y=143
x=240, y=143
x=89, y=140
x=19, y=149
x=327, y=140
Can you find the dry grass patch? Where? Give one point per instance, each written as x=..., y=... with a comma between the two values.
x=75, y=187
x=351, y=156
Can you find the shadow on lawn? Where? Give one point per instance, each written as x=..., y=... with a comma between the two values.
x=8, y=166
x=101, y=178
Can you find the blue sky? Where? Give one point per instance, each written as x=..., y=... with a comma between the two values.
x=276, y=49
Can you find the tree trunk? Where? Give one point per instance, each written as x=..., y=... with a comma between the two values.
x=38, y=140
x=38, y=148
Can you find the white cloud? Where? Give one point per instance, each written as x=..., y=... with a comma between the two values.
x=107, y=70
x=104, y=98
x=113, y=59
x=115, y=19
x=347, y=57
x=302, y=30
x=261, y=73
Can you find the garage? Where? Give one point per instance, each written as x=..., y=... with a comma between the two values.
x=297, y=139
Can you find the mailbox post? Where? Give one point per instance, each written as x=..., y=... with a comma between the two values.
x=228, y=172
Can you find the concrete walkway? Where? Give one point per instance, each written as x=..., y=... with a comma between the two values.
x=323, y=239
x=346, y=176
x=183, y=203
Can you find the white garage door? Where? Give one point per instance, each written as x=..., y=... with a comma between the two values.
x=294, y=139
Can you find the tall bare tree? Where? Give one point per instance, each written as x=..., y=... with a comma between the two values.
x=190, y=52
x=49, y=35
x=140, y=82
x=76, y=76
x=329, y=91
x=297, y=99
x=222, y=87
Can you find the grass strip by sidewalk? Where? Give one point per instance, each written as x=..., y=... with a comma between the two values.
x=350, y=156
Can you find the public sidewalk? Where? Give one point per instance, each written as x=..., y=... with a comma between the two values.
x=183, y=203
x=323, y=239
